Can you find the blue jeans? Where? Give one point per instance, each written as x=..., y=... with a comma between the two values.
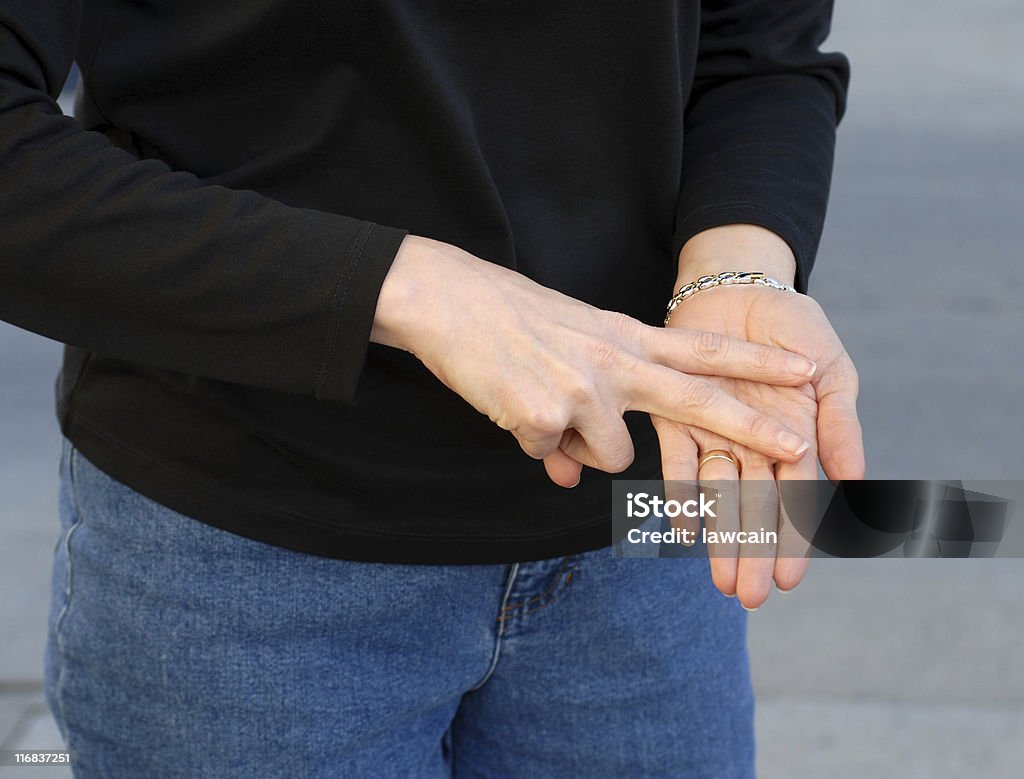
x=177, y=649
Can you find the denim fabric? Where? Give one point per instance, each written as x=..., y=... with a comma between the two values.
x=180, y=650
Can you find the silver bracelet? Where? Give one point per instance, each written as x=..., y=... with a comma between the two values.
x=725, y=279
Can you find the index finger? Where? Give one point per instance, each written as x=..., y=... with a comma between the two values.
x=697, y=401
x=709, y=353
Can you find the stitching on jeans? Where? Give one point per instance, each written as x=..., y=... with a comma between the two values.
x=552, y=598
x=59, y=623
x=535, y=598
x=549, y=596
x=509, y=583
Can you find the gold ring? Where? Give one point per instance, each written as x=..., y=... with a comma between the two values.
x=719, y=454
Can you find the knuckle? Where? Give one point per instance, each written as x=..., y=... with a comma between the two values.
x=699, y=394
x=618, y=457
x=711, y=346
x=661, y=425
x=503, y=415
x=579, y=390
x=527, y=441
x=757, y=425
x=761, y=506
x=605, y=354
x=624, y=325
x=502, y=421
x=532, y=448
x=676, y=460
x=843, y=377
x=762, y=357
x=645, y=339
x=541, y=421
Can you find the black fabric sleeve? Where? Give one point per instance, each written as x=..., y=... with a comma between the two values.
x=761, y=121
x=141, y=263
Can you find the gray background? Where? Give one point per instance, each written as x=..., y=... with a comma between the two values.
x=872, y=668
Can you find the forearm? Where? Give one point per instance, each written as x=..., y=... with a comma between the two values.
x=760, y=124
x=145, y=263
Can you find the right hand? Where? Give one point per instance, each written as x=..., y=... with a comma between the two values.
x=559, y=374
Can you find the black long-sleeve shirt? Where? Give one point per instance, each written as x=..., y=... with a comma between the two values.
x=210, y=234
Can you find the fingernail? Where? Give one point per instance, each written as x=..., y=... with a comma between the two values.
x=729, y=596
x=577, y=484
x=781, y=591
x=749, y=609
x=791, y=442
x=801, y=367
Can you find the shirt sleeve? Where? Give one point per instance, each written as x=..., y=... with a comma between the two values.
x=760, y=123
x=133, y=260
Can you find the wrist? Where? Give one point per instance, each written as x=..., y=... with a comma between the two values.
x=394, y=318
x=736, y=247
x=725, y=279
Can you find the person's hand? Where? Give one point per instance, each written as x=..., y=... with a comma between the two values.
x=825, y=407
x=823, y=410
x=559, y=374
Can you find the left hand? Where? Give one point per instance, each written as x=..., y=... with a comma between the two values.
x=824, y=410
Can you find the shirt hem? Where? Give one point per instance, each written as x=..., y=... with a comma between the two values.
x=275, y=526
